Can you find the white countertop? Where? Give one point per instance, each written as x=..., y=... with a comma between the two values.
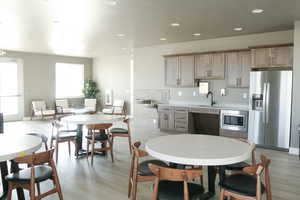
x=195, y=149
x=242, y=107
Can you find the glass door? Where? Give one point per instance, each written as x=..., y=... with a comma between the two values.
x=11, y=84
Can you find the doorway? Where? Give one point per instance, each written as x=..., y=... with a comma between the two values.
x=11, y=89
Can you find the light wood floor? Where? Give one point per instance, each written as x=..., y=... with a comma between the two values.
x=108, y=181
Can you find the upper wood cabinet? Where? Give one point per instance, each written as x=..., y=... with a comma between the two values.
x=179, y=71
x=210, y=66
x=171, y=71
x=186, y=69
x=280, y=56
x=238, y=69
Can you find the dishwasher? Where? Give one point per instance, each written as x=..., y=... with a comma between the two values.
x=205, y=121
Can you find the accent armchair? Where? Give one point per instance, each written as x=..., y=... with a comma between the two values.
x=40, y=110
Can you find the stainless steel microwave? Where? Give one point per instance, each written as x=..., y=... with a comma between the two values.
x=235, y=120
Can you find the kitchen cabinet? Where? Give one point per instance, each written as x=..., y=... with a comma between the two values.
x=181, y=119
x=238, y=66
x=166, y=118
x=210, y=66
x=179, y=71
x=171, y=71
x=280, y=56
x=186, y=71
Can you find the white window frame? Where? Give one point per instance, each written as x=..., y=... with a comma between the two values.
x=78, y=64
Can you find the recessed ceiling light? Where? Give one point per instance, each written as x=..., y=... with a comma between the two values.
x=196, y=34
x=120, y=35
x=175, y=24
x=257, y=11
x=110, y=3
x=238, y=29
x=163, y=39
x=56, y=21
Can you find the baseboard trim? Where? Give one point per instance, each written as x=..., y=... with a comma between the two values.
x=294, y=151
x=26, y=118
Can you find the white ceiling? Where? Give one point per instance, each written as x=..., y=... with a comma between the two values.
x=90, y=27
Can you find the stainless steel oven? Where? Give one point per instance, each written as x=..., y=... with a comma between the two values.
x=235, y=120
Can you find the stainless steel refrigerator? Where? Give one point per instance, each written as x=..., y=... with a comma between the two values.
x=270, y=108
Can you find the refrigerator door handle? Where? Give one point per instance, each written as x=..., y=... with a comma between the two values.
x=267, y=103
x=264, y=103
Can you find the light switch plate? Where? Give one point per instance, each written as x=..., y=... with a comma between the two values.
x=223, y=92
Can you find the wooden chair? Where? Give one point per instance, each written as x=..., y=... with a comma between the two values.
x=61, y=136
x=121, y=132
x=99, y=133
x=173, y=183
x=118, y=108
x=40, y=110
x=41, y=168
x=248, y=186
x=238, y=167
x=139, y=171
x=43, y=137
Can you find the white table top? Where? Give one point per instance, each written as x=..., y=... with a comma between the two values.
x=13, y=146
x=91, y=119
x=194, y=149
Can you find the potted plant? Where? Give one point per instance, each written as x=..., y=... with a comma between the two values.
x=90, y=89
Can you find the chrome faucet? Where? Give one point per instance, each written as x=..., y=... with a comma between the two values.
x=212, y=102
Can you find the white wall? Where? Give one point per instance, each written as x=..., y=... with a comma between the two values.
x=39, y=75
x=296, y=89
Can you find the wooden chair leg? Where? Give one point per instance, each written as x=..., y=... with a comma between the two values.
x=87, y=149
x=9, y=194
x=134, y=190
x=111, y=151
x=129, y=141
x=38, y=188
x=56, y=151
x=69, y=146
x=129, y=188
x=222, y=192
x=92, y=153
x=56, y=183
x=32, y=192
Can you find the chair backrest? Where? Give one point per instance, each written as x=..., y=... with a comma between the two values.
x=118, y=106
x=63, y=103
x=253, y=150
x=90, y=104
x=263, y=167
x=38, y=105
x=171, y=174
x=99, y=127
x=37, y=158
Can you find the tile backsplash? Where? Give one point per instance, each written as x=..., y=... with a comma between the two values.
x=192, y=96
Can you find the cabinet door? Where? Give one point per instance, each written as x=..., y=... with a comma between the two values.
x=282, y=56
x=171, y=71
x=245, y=58
x=203, y=68
x=218, y=65
x=166, y=120
x=186, y=71
x=233, y=67
x=261, y=57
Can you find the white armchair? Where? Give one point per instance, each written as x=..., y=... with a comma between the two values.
x=118, y=108
x=40, y=110
x=62, y=106
x=90, y=105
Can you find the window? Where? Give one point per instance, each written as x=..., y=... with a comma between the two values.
x=69, y=80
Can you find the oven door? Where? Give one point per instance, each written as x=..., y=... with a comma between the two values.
x=234, y=120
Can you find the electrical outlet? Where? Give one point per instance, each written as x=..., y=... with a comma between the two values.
x=223, y=92
x=245, y=95
x=194, y=93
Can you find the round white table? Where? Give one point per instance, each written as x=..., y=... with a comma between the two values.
x=81, y=120
x=204, y=150
x=11, y=147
